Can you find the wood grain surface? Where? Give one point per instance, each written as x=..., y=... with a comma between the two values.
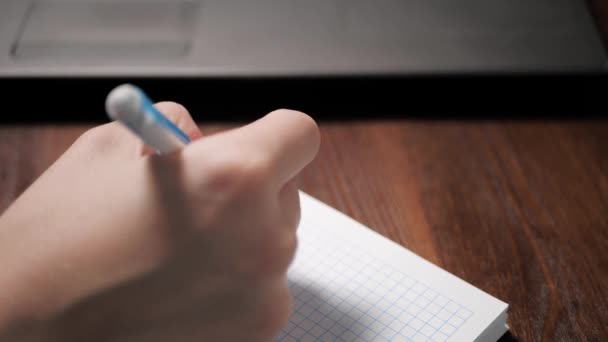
x=518, y=209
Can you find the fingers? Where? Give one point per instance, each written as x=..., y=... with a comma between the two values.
x=114, y=137
x=289, y=139
x=180, y=116
x=281, y=143
x=289, y=204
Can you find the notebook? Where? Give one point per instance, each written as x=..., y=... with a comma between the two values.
x=349, y=283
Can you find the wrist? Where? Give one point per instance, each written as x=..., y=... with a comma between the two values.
x=33, y=284
x=22, y=296
x=16, y=304
x=48, y=265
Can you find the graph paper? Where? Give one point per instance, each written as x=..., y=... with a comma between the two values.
x=350, y=284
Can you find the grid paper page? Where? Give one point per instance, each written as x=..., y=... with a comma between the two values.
x=346, y=288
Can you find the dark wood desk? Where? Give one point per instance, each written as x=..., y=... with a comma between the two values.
x=518, y=209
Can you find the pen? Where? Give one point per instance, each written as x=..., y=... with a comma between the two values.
x=132, y=107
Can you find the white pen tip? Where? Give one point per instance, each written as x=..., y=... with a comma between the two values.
x=123, y=103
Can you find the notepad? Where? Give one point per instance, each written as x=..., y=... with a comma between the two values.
x=349, y=283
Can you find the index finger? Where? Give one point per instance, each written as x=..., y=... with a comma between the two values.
x=285, y=140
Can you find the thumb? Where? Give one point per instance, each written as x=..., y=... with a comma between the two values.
x=285, y=141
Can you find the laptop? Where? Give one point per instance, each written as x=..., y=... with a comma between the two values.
x=239, y=59
x=245, y=38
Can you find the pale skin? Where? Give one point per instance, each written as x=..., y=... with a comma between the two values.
x=199, y=241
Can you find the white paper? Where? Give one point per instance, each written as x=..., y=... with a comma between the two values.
x=352, y=284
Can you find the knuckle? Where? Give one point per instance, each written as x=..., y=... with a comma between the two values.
x=256, y=170
x=275, y=315
x=240, y=176
x=290, y=205
x=290, y=251
x=275, y=257
x=295, y=218
x=96, y=137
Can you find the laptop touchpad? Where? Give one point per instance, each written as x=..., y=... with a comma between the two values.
x=96, y=30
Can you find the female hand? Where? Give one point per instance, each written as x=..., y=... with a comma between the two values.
x=117, y=243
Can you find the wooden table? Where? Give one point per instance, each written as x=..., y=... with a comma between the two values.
x=518, y=209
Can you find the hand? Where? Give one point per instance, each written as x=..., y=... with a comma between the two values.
x=116, y=243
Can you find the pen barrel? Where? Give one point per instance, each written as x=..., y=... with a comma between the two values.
x=157, y=137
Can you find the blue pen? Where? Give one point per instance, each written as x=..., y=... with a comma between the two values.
x=132, y=107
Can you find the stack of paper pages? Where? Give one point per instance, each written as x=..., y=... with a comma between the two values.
x=352, y=284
